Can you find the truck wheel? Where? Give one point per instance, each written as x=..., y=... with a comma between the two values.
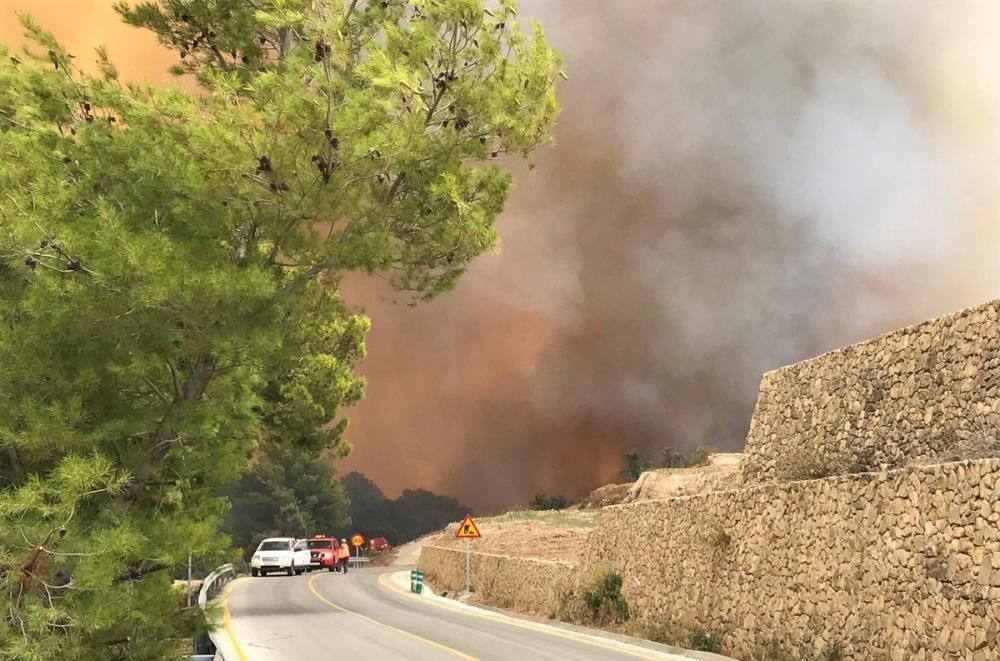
x=330, y=568
x=253, y=571
x=290, y=570
x=298, y=572
x=263, y=572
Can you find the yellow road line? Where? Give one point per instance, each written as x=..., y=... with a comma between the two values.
x=226, y=621
x=326, y=601
x=540, y=628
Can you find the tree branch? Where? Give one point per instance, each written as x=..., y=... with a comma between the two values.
x=15, y=464
x=350, y=10
x=138, y=573
x=173, y=376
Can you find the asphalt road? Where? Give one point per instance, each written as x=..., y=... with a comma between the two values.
x=366, y=615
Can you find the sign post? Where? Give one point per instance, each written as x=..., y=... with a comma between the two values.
x=357, y=541
x=468, y=530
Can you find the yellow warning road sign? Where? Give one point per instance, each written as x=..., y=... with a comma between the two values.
x=468, y=529
x=357, y=540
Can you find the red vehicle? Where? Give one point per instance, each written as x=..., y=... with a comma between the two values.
x=379, y=544
x=323, y=552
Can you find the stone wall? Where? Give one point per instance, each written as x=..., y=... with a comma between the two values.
x=925, y=393
x=898, y=565
x=526, y=585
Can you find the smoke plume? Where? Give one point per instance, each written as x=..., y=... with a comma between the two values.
x=736, y=186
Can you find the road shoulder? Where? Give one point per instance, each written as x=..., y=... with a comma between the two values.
x=398, y=580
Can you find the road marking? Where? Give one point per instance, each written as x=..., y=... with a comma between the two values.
x=461, y=655
x=226, y=621
x=586, y=639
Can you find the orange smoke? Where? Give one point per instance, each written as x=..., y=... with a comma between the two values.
x=81, y=26
x=735, y=187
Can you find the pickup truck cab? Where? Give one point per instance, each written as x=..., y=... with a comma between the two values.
x=323, y=553
x=274, y=554
x=379, y=544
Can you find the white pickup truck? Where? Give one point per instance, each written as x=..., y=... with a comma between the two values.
x=280, y=554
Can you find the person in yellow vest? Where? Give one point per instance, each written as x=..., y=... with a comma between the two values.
x=343, y=554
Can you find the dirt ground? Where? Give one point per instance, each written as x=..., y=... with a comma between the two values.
x=563, y=535
x=546, y=535
x=722, y=472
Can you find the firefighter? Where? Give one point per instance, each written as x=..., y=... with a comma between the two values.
x=343, y=555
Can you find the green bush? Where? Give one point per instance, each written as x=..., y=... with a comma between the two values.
x=556, y=501
x=633, y=465
x=700, y=457
x=604, y=599
x=671, y=458
x=705, y=641
x=808, y=464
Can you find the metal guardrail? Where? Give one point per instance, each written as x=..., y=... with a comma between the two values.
x=214, y=582
x=211, y=586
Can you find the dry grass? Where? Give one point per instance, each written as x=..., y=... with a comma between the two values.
x=562, y=518
x=547, y=535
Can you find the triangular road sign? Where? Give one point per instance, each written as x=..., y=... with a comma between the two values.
x=468, y=529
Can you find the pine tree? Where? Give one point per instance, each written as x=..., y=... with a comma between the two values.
x=169, y=269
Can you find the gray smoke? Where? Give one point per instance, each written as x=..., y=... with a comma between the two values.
x=736, y=186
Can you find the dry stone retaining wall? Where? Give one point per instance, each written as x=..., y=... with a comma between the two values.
x=930, y=393
x=526, y=585
x=898, y=565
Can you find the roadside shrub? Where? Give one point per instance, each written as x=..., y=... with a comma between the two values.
x=774, y=650
x=556, y=501
x=705, y=641
x=603, y=598
x=664, y=634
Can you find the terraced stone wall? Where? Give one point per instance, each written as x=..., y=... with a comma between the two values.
x=525, y=585
x=928, y=393
x=901, y=565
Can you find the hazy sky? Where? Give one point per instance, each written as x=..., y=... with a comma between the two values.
x=735, y=186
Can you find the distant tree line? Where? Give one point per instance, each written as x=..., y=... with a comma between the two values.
x=414, y=513
x=288, y=493
x=285, y=493
x=634, y=464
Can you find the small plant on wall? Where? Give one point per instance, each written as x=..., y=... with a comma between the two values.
x=705, y=641
x=603, y=597
x=718, y=539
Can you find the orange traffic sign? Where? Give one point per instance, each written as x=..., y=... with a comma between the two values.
x=468, y=529
x=357, y=541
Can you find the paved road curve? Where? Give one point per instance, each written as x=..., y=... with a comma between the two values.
x=365, y=615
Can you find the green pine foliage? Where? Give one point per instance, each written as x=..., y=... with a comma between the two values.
x=169, y=270
x=414, y=513
x=287, y=492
